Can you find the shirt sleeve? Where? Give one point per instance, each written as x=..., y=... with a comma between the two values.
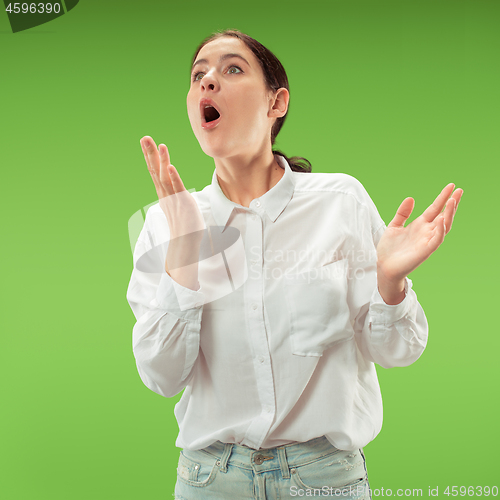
x=166, y=335
x=389, y=335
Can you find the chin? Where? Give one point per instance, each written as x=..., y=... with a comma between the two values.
x=209, y=149
x=215, y=150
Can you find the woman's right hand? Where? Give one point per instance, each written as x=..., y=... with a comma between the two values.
x=184, y=218
x=177, y=203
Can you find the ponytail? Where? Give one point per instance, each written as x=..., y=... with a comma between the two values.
x=297, y=163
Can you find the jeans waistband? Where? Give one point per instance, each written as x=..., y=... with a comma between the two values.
x=281, y=457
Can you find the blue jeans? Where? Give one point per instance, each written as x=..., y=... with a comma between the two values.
x=233, y=472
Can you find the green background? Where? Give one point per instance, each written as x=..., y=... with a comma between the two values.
x=403, y=95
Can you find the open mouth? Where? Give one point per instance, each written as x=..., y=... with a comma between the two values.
x=210, y=114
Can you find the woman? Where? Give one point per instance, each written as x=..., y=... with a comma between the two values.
x=279, y=290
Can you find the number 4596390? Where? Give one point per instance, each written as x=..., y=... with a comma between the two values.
x=471, y=491
x=34, y=8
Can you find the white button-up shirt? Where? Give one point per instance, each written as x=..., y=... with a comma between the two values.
x=279, y=343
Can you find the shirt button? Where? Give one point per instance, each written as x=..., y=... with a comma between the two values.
x=254, y=306
x=261, y=359
x=257, y=203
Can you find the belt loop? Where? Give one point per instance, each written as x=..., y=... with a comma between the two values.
x=285, y=471
x=225, y=456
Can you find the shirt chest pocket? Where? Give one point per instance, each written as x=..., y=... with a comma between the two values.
x=318, y=309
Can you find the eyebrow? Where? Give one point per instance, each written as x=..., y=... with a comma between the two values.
x=221, y=58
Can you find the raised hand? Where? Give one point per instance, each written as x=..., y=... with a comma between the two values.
x=177, y=203
x=185, y=220
x=402, y=249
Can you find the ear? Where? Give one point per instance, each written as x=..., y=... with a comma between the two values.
x=279, y=103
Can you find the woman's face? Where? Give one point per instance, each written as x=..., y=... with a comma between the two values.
x=227, y=75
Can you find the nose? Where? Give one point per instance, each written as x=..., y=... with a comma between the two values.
x=209, y=82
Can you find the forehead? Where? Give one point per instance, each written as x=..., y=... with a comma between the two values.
x=227, y=45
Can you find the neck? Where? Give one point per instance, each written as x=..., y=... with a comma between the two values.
x=244, y=178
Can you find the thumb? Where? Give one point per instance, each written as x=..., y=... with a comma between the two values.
x=403, y=213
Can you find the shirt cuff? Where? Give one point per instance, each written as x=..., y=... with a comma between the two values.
x=179, y=300
x=381, y=312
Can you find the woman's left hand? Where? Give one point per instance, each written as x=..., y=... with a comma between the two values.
x=402, y=249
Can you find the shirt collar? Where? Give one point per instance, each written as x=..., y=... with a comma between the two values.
x=273, y=202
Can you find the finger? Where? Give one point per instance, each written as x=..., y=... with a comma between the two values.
x=455, y=199
x=143, y=147
x=149, y=150
x=148, y=161
x=164, y=154
x=448, y=214
x=152, y=160
x=177, y=183
x=458, y=196
x=437, y=206
x=403, y=213
x=164, y=169
x=439, y=234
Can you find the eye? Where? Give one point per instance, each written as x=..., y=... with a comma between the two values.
x=234, y=72
x=196, y=75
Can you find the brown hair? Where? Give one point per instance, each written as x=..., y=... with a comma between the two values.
x=275, y=78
